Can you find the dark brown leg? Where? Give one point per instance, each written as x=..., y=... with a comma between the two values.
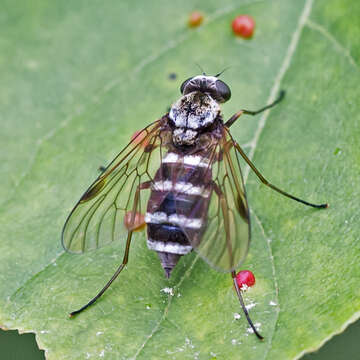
x=224, y=210
x=145, y=185
x=264, y=181
x=117, y=272
x=249, y=112
x=233, y=275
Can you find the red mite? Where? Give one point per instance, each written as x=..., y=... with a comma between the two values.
x=244, y=26
x=183, y=172
x=245, y=277
x=195, y=19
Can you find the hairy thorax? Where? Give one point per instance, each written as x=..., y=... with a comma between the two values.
x=190, y=115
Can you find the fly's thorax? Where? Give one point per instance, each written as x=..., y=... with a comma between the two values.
x=184, y=137
x=194, y=111
x=191, y=114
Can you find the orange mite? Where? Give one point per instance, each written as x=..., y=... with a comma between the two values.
x=138, y=137
x=195, y=19
x=138, y=223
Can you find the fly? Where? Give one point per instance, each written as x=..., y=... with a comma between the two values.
x=183, y=173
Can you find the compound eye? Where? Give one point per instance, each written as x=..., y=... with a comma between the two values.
x=222, y=90
x=182, y=87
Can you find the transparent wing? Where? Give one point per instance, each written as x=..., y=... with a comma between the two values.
x=98, y=217
x=223, y=240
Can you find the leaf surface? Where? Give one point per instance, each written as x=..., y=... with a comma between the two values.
x=78, y=78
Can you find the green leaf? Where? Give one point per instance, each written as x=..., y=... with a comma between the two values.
x=78, y=78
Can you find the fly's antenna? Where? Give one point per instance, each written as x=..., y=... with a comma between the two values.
x=217, y=75
x=201, y=69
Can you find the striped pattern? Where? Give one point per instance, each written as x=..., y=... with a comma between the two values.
x=181, y=187
x=174, y=219
x=178, y=202
x=193, y=160
x=169, y=246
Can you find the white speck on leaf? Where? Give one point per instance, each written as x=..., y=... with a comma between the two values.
x=99, y=333
x=188, y=343
x=257, y=327
x=168, y=290
x=272, y=303
x=237, y=316
x=102, y=353
x=250, y=306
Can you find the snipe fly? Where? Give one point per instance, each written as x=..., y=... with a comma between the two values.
x=181, y=173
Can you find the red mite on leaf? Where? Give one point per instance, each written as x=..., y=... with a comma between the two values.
x=245, y=277
x=195, y=19
x=244, y=26
x=183, y=173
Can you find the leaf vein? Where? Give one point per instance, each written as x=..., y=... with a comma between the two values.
x=276, y=87
x=166, y=310
x=108, y=87
x=276, y=284
x=337, y=46
x=253, y=143
x=23, y=285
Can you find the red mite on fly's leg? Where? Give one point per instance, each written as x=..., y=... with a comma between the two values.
x=183, y=172
x=245, y=278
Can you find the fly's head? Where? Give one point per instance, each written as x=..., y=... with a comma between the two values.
x=210, y=85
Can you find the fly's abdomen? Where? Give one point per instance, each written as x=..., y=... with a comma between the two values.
x=178, y=205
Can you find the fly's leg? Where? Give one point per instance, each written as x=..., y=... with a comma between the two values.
x=224, y=210
x=264, y=181
x=225, y=213
x=117, y=272
x=145, y=185
x=257, y=172
x=249, y=112
x=241, y=300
